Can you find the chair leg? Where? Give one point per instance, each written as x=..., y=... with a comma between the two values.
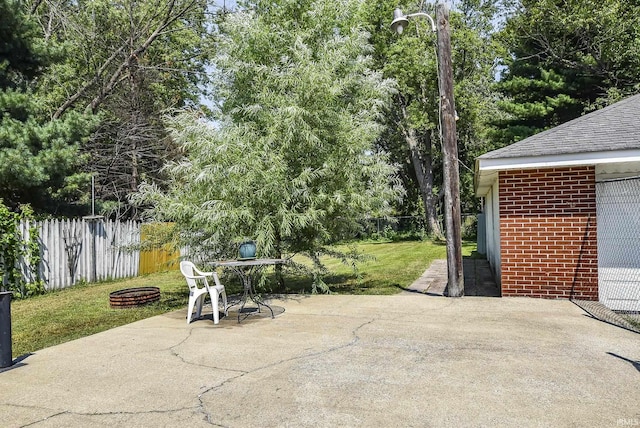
x=214, y=306
x=192, y=302
x=224, y=303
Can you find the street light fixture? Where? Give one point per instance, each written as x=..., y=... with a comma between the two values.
x=400, y=20
x=448, y=116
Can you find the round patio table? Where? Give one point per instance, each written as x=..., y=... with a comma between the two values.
x=246, y=271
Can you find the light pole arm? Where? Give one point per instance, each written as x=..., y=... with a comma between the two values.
x=433, y=24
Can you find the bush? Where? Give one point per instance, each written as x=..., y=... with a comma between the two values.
x=17, y=250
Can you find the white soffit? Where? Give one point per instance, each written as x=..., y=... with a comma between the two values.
x=484, y=180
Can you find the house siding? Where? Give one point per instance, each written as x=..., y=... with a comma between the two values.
x=548, y=234
x=492, y=229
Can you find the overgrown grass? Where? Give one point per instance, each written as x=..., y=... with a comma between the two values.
x=60, y=316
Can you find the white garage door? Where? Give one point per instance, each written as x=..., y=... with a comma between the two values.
x=618, y=211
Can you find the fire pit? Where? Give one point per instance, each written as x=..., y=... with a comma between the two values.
x=133, y=297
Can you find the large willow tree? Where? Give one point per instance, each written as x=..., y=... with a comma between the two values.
x=289, y=161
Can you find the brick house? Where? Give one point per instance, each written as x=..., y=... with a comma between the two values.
x=562, y=209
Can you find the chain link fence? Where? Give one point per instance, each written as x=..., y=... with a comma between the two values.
x=618, y=219
x=407, y=227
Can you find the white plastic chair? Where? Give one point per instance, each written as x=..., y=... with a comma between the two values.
x=198, y=294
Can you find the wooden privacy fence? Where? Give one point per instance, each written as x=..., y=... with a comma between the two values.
x=157, y=259
x=89, y=249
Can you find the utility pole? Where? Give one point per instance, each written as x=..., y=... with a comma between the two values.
x=449, y=155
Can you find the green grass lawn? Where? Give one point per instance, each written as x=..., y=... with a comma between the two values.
x=64, y=315
x=394, y=266
x=68, y=314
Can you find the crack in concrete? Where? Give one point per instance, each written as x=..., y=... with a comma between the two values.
x=351, y=343
x=172, y=350
x=44, y=419
x=201, y=406
x=69, y=412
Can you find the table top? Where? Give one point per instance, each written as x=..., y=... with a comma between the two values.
x=249, y=262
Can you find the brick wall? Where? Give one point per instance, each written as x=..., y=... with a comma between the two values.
x=548, y=233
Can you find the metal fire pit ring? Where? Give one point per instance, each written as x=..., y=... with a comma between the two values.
x=133, y=297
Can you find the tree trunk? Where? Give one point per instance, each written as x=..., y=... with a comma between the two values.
x=278, y=267
x=423, y=168
x=136, y=120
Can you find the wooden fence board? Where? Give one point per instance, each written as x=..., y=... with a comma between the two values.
x=93, y=249
x=84, y=250
x=158, y=259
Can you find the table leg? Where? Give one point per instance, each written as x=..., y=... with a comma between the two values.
x=256, y=298
x=248, y=292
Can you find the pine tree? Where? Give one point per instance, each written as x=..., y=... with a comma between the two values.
x=38, y=157
x=565, y=58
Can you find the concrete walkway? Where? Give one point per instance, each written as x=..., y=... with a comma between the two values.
x=340, y=361
x=478, y=279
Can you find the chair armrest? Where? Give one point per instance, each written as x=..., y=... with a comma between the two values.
x=194, y=276
x=199, y=272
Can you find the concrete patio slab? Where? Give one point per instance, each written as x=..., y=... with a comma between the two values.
x=353, y=361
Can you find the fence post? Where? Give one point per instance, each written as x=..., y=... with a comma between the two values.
x=93, y=220
x=5, y=329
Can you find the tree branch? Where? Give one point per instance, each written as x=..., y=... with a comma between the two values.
x=72, y=99
x=35, y=6
x=116, y=77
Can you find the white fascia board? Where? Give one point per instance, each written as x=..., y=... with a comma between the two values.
x=550, y=161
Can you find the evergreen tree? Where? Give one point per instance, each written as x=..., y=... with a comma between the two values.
x=38, y=157
x=565, y=58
